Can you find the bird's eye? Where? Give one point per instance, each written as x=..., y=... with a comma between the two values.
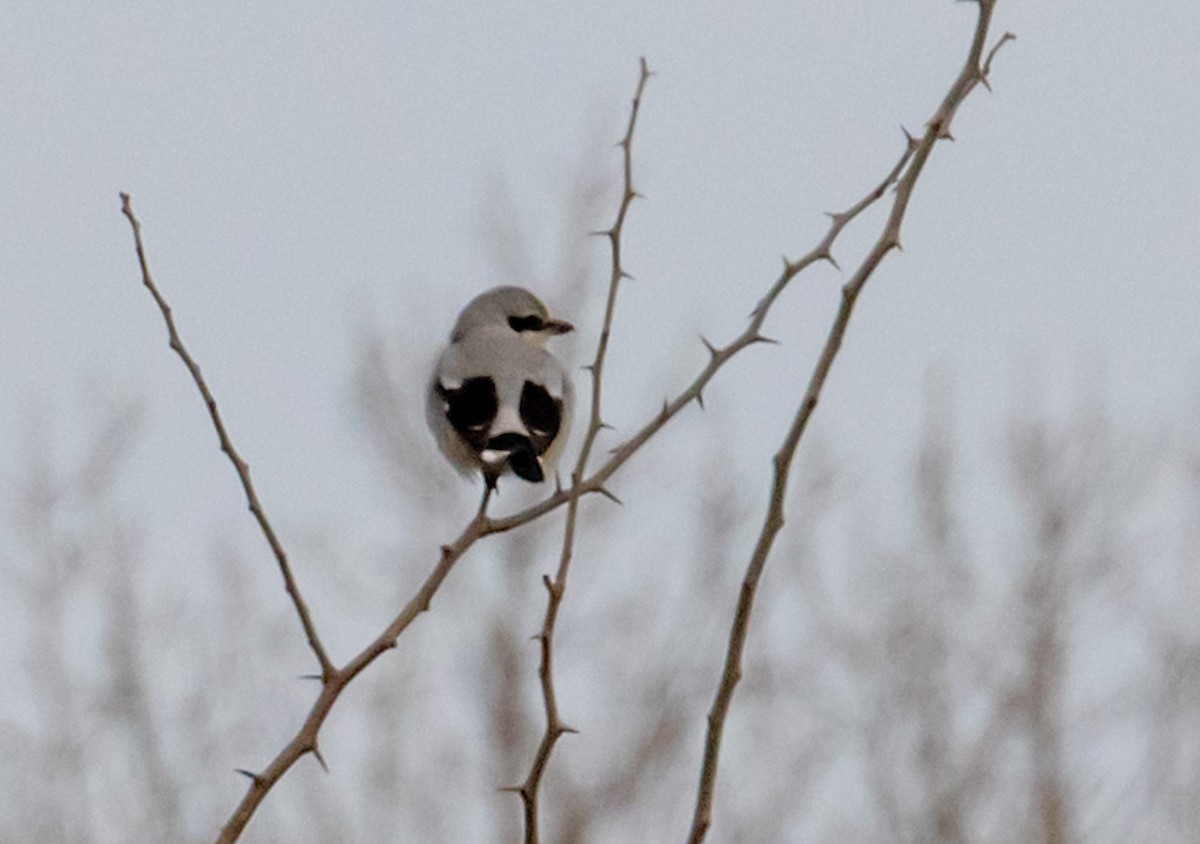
x=532, y=322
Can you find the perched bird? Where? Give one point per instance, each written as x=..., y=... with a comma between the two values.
x=499, y=402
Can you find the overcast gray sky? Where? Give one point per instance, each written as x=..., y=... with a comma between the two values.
x=299, y=167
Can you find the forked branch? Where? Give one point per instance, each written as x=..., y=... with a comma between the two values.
x=335, y=680
x=908, y=171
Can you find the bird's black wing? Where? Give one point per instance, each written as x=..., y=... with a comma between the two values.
x=541, y=414
x=470, y=409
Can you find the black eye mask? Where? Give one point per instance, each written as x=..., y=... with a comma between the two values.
x=526, y=323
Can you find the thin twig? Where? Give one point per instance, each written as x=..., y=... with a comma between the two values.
x=335, y=680
x=483, y=526
x=240, y=465
x=305, y=739
x=556, y=587
x=973, y=72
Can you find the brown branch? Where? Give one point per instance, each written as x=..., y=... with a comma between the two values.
x=240, y=465
x=482, y=526
x=305, y=740
x=911, y=165
x=556, y=587
x=335, y=680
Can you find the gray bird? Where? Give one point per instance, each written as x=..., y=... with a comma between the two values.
x=499, y=402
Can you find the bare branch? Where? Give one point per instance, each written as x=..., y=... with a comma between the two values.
x=335, y=680
x=556, y=588
x=240, y=465
x=905, y=174
x=482, y=525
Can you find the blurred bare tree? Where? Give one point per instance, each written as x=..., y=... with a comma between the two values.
x=1031, y=680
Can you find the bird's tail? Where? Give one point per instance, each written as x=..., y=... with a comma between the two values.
x=522, y=456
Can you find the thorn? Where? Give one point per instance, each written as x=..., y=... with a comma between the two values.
x=636, y=194
x=700, y=399
x=912, y=142
x=600, y=233
x=828, y=256
x=625, y=275
x=511, y=789
x=548, y=583
x=604, y=426
x=311, y=677
x=588, y=367
x=563, y=728
x=557, y=484
x=446, y=551
x=762, y=338
x=663, y=412
x=607, y=494
x=712, y=350
x=254, y=778
x=320, y=758
x=983, y=80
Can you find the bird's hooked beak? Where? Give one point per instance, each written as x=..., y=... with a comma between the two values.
x=557, y=326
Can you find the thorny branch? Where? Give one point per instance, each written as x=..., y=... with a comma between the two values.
x=240, y=465
x=335, y=680
x=556, y=587
x=905, y=175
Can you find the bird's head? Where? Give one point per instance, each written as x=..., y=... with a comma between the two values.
x=513, y=309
